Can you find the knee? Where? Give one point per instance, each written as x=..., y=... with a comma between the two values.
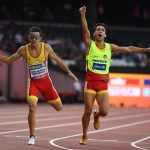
x=104, y=112
x=58, y=108
x=32, y=109
x=88, y=112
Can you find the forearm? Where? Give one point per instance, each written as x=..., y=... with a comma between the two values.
x=84, y=23
x=138, y=49
x=63, y=65
x=4, y=59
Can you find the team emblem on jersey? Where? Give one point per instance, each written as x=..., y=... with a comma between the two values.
x=36, y=62
x=105, y=56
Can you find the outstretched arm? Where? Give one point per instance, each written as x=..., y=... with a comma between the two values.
x=53, y=56
x=11, y=58
x=86, y=33
x=129, y=49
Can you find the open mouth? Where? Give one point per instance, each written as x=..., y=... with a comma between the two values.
x=99, y=35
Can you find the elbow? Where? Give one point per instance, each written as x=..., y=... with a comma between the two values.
x=129, y=50
x=8, y=61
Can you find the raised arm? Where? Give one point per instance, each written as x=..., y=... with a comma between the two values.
x=86, y=33
x=52, y=55
x=129, y=49
x=13, y=57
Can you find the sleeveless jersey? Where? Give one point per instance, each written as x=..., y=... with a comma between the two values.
x=99, y=61
x=37, y=66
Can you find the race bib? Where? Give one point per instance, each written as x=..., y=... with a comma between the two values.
x=38, y=71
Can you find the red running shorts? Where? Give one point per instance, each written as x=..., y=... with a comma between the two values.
x=44, y=86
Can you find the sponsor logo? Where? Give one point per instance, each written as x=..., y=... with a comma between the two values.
x=147, y=82
x=124, y=91
x=37, y=66
x=123, y=81
x=99, y=66
x=95, y=56
x=99, y=61
x=146, y=92
x=117, y=81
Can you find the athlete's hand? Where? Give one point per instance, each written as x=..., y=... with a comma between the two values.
x=73, y=76
x=82, y=10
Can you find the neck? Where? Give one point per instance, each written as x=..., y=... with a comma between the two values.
x=100, y=44
x=34, y=46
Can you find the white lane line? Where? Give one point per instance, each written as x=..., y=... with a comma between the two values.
x=70, y=124
x=39, y=120
x=104, y=140
x=46, y=127
x=106, y=129
x=39, y=115
x=133, y=143
x=79, y=116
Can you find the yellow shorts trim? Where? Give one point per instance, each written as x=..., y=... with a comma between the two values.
x=90, y=91
x=32, y=97
x=54, y=101
x=101, y=92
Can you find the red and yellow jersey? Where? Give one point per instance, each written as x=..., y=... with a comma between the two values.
x=37, y=66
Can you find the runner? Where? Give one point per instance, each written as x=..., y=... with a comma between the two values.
x=98, y=56
x=36, y=54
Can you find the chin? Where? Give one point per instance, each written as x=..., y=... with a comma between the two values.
x=99, y=40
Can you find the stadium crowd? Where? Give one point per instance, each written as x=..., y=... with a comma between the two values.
x=129, y=14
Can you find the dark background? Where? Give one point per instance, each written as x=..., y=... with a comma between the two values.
x=112, y=12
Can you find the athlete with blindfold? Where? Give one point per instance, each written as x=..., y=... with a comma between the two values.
x=36, y=54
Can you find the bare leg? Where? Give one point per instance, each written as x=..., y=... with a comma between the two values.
x=103, y=102
x=57, y=106
x=31, y=116
x=88, y=101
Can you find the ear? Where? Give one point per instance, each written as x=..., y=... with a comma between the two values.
x=105, y=35
x=94, y=34
x=40, y=39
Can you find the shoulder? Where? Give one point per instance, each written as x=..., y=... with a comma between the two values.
x=108, y=45
x=113, y=46
x=91, y=43
x=47, y=47
x=21, y=49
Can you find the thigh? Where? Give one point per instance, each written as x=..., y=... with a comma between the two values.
x=57, y=105
x=49, y=93
x=32, y=91
x=89, y=100
x=102, y=96
x=89, y=95
x=103, y=101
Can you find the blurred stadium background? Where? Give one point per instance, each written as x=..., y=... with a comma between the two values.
x=128, y=24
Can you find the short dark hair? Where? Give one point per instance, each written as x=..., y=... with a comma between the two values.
x=101, y=24
x=36, y=29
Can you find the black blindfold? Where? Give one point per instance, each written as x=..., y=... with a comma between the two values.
x=34, y=36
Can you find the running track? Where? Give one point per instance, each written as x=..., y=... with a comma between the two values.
x=122, y=129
